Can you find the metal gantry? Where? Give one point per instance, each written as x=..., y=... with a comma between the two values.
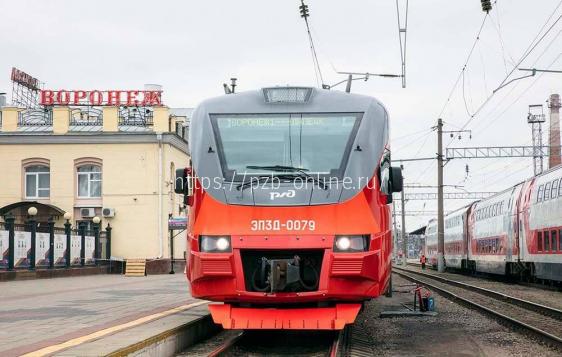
x=536, y=117
x=448, y=195
x=494, y=152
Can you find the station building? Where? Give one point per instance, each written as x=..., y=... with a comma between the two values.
x=113, y=162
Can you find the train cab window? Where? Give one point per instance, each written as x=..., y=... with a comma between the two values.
x=547, y=192
x=539, y=241
x=540, y=193
x=554, y=189
x=546, y=241
x=553, y=241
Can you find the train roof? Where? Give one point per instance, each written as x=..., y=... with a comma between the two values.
x=288, y=100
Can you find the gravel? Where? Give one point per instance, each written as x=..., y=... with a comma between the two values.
x=455, y=331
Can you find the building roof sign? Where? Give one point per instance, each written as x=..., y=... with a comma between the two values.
x=24, y=79
x=144, y=98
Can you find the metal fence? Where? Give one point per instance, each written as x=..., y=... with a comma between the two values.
x=35, y=117
x=136, y=116
x=44, y=246
x=88, y=116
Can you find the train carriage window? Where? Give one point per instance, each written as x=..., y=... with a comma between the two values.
x=553, y=240
x=560, y=240
x=540, y=193
x=539, y=241
x=547, y=192
x=554, y=190
x=546, y=241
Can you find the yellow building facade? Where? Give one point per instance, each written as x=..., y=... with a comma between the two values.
x=107, y=163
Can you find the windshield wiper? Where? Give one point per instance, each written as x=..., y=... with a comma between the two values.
x=301, y=173
x=276, y=168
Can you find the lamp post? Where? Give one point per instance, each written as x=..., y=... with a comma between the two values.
x=67, y=225
x=32, y=212
x=96, y=220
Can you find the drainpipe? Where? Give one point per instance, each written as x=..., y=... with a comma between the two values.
x=160, y=207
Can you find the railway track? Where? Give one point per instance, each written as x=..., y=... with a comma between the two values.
x=543, y=321
x=347, y=342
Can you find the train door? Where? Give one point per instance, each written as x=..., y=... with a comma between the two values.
x=522, y=214
x=513, y=225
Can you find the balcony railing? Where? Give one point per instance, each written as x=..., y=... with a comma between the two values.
x=136, y=116
x=87, y=116
x=35, y=117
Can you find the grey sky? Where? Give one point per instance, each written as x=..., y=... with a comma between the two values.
x=192, y=47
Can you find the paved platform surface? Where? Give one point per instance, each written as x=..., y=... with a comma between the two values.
x=35, y=314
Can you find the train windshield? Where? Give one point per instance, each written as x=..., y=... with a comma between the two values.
x=253, y=145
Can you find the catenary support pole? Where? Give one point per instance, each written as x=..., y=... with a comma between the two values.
x=404, y=240
x=440, y=215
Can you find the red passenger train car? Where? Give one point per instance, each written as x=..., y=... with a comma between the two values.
x=516, y=232
x=289, y=222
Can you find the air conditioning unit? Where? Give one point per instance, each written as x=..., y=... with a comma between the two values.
x=87, y=212
x=108, y=212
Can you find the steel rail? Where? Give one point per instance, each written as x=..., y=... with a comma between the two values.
x=226, y=345
x=526, y=304
x=338, y=342
x=548, y=337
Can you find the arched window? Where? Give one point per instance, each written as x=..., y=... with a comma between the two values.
x=89, y=181
x=37, y=181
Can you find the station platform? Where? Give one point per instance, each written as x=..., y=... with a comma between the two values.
x=97, y=315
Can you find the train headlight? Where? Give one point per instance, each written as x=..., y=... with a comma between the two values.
x=351, y=243
x=214, y=244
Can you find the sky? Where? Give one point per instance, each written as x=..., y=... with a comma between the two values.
x=192, y=47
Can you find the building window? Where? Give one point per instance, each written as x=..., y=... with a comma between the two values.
x=540, y=193
x=554, y=189
x=37, y=181
x=547, y=191
x=89, y=181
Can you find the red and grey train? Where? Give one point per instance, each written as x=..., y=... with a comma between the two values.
x=516, y=232
x=289, y=222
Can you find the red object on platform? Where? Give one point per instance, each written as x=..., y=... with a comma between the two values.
x=319, y=318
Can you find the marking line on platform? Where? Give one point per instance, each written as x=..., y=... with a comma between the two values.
x=110, y=330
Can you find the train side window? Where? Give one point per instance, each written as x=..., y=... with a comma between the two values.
x=539, y=241
x=547, y=191
x=553, y=243
x=546, y=241
x=560, y=240
x=540, y=193
x=554, y=190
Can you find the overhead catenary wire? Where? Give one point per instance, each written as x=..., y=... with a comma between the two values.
x=459, y=77
x=525, y=54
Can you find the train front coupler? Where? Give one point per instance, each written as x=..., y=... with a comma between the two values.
x=278, y=275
